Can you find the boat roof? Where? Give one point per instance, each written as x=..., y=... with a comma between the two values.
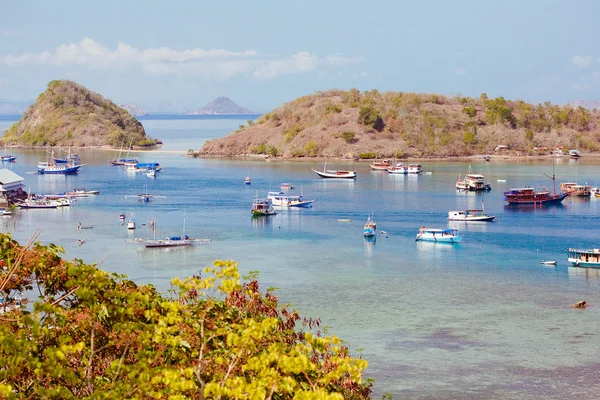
x=576, y=250
x=276, y=194
x=436, y=230
x=475, y=176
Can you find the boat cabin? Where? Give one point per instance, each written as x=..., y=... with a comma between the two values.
x=11, y=186
x=584, y=257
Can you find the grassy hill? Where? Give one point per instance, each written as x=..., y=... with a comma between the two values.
x=68, y=114
x=351, y=124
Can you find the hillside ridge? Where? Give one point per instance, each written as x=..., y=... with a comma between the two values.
x=353, y=124
x=221, y=106
x=68, y=114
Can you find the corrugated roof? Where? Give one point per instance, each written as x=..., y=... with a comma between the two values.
x=7, y=176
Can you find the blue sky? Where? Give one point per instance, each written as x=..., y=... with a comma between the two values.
x=264, y=53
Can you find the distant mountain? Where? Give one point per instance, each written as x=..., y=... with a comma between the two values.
x=589, y=104
x=12, y=107
x=221, y=106
x=133, y=110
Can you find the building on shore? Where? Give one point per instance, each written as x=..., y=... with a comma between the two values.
x=11, y=187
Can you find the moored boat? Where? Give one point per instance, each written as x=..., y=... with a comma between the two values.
x=45, y=168
x=574, y=189
x=574, y=154
x=474, y=182
x=131, y=224
x=584, y=257
x=470, y=216
x=399, y=168
x=8, y=158
x=286, y=186
x=381, y=165
x=438, y=235
x=370, y=229
x=262, y=207
x=5, y=211
x=339, y=174
x=529, y=195
x=281, y=199
x=38, y=204
x=247, y=181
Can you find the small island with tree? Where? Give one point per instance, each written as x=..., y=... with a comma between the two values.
x=68, y=114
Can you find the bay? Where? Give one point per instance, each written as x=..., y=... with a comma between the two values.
x=481, y=319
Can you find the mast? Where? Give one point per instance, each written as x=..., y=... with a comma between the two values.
x=553, y=177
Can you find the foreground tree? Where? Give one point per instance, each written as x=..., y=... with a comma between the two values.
x=92, y=334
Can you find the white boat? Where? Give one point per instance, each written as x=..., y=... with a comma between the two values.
x=339, y=174
x=151, y=173
x=172, y=241
x=548, y=262
x=574, y=154
x=415, y=169
x=131, y=224
x=37, y=203
x=470, y=216
x=584, y=257
x=370, y=229
x=280, y=199
x=5, y=211
x=247, y=181
x=473, y=182
x=286, y=186
x=399, y=168
x=438, y=235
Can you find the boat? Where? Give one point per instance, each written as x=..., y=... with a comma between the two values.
x=381, y=165
x=33, y=203
x=487, y=157
x=64, y=202
x=5, y=211
x=474, y=182
x=399, y=168
x=574, y=189
x=131, y=224
x=45, y=168
x=339, y=174
x=280, y=199
x=80, y=227
x=370, y=229
x=438, y=235
x=172, y=241
x=286, y=186
x=574, y=154
x=8, y=158
x=529, y=195
x=151, y=172
x=584, y=257
x=68, y=159
x=122, y=217
x=470, y=216
x=414, y=169
x=548, y=262
x=344, y=220
x=247, y=181
x=262, y=207
x=126, y=160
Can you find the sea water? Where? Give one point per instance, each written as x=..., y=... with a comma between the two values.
x=479, y=319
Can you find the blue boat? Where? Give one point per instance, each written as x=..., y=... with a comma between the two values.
x=45, y=168
x=8, y=158
x=370, y=227
x=69, y=158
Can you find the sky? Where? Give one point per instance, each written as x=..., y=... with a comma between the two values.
x=261, y=54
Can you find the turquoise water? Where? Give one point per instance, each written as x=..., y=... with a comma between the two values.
x=482, y=319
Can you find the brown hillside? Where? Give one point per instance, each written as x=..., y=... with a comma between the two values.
x=68, y=114
x=352, y=124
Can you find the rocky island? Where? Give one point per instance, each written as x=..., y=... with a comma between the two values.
x=68, y=114
x=221, y=106
x=353, y=124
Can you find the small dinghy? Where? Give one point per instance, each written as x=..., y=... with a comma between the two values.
x=548, y=262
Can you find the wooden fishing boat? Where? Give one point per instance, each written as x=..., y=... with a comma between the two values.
x=337, y=174
x=584, y=257
x=381, y=165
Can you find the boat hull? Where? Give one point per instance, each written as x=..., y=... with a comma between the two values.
x=439, y=239
x=552, y=200
x=168, y=243
x=336, y=174
x=486, y=218
x=59, y=171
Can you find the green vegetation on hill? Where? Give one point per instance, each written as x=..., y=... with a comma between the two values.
x=91, y=334
x=68, y=114
x=347, y=124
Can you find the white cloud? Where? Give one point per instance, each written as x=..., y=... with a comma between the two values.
x=584, y=87
x=211, y=63
x=338, y=59
x=8, y=32
x=581, y=61
x=301, y=62
x=460, y=71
